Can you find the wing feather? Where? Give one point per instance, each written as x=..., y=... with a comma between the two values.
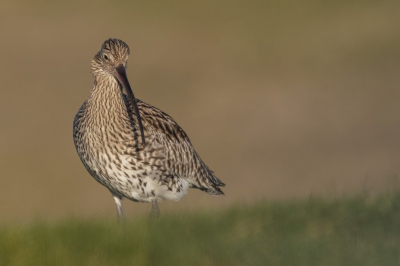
x=181, y=159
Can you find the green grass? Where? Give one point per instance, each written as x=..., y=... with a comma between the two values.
x=354, y=231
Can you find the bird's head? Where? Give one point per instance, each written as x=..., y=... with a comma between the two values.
x=112, y=54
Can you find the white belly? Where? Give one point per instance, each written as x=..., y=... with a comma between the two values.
x=134, y=180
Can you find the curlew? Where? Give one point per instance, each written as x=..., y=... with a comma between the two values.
x=132, y=148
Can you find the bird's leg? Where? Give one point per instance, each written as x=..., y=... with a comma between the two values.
x=155, y=211
x=120, y=210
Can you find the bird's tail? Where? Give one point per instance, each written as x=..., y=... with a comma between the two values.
x=205, y=179
x=213, y=183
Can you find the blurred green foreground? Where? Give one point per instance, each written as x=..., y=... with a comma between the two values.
x=356, y=231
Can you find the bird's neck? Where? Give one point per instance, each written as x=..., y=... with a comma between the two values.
x=105, y=98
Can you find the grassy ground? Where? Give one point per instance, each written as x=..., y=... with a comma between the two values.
x=356, y=231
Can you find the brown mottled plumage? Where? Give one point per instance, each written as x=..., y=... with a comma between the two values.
x=107, y=138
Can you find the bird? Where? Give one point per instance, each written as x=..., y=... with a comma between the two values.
x=132, y=148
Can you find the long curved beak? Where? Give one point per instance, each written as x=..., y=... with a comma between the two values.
x=120, y=74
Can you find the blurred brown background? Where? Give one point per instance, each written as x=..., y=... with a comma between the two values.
x=282, y=99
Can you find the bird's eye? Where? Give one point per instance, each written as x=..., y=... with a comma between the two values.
x=105, y=57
